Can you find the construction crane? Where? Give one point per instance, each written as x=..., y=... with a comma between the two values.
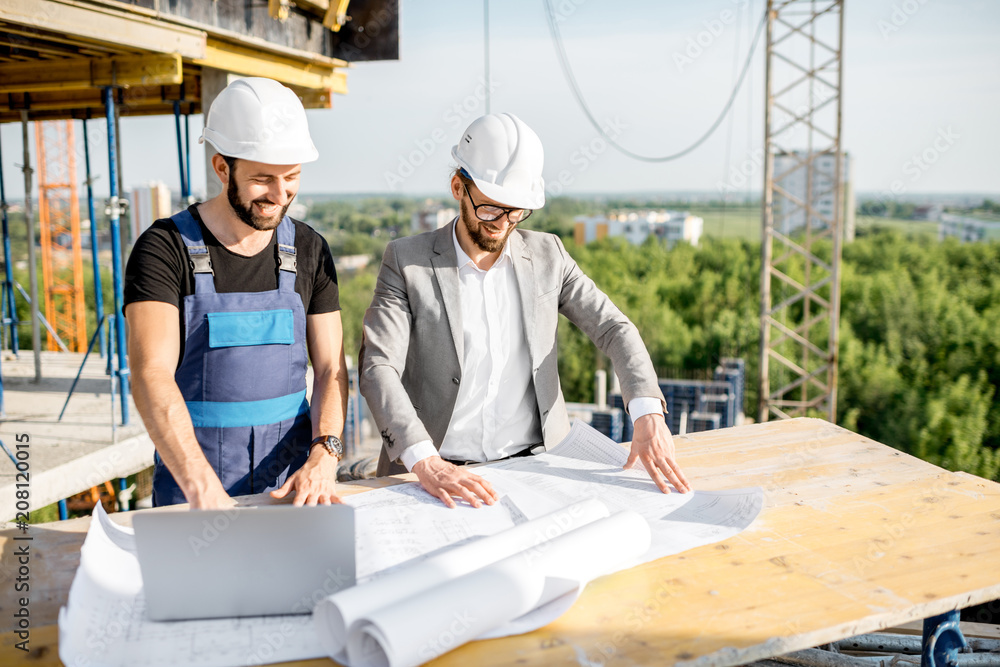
x=59, y=216
x=803, y=210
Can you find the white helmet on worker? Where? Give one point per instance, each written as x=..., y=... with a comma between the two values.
x=259, y=120
x=504, y=157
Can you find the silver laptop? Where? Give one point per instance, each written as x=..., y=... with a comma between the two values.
x=253, y=561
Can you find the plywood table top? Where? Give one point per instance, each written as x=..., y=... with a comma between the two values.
x=854, y=537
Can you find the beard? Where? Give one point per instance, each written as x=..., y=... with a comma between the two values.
x=246, y=213
x=474, y=226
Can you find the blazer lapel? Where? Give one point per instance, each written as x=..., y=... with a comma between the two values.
x=445, y=263
x=525, y=273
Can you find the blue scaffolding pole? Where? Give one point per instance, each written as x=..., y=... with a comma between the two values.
x=187, y=158
x=116, y=256
x=180, y=150
x=9, y=306
x=98, y=289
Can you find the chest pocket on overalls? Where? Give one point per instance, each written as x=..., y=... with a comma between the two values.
x=231, y=334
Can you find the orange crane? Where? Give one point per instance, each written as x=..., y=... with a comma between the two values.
x=59, y=216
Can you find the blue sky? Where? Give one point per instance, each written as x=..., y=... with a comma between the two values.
x=915, y=70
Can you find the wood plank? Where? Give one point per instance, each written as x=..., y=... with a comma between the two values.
x=76, y=73
x=104, y=25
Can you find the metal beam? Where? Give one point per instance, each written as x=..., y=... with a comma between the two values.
x=76, y=73
x=802, y=274
x=336, y=15
x=315, y=99
x=245, y=61
x=67, y=17
x=80, y=99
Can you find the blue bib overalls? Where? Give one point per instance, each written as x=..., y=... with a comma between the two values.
x=243, y=374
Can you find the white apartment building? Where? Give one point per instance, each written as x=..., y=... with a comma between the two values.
x=637, y=226
x=792, y=176
x=431, y=217
x=149, y=204
x=967, y=229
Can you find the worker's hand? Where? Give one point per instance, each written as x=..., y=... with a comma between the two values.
x=212, y=498
x=315, y=483
x=444, y=480
x=654, y=446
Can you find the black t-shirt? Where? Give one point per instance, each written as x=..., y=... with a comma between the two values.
x=158, y=269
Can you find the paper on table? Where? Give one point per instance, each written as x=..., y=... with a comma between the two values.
x=428, y=623
x=588, y=464
x=104, y=621
x=400, y=523
x=335, y=614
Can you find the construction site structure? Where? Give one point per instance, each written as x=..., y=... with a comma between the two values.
x=802, y=226
x=104, y=59
x=59, y=218
x=93, y=62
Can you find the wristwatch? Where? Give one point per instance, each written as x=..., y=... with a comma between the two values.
x=331, y=443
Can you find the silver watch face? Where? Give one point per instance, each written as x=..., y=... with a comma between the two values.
x=335, y=446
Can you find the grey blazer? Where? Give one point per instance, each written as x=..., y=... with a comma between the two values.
x=411, y=354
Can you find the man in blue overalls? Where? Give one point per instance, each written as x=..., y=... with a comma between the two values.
x=227, y=302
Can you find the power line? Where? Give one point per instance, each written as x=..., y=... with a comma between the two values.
x=575, y=88
x=740, y=16
x=486, y=51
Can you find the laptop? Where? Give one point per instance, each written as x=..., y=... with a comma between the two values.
x=252, y=561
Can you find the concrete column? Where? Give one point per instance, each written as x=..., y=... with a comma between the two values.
x=601, y=388
x=213, y=82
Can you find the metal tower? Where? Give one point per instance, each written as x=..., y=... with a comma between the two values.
x=802, y=209
x=59, y=215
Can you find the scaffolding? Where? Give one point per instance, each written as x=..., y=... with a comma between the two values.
x=802, y=237
x=59, y=217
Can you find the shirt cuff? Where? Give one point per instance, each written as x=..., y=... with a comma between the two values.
x=417, y=452
x=642, y=406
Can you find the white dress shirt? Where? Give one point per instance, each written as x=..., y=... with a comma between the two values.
x=496, y=412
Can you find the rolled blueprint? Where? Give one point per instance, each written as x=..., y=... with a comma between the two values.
x=334, y=615
x=403, y=632
x=434, y=621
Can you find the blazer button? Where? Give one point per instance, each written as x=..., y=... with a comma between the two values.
x=455, y=380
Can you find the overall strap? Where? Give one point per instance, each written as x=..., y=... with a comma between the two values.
x=286, y=255
x=198, y=257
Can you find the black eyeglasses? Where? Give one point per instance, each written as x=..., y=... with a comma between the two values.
x=489, y=212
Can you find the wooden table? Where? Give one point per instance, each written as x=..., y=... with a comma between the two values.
x=854, y=537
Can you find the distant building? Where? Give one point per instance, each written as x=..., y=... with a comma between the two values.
x=698, y=405
x=967, y=229
x=149, y=203
x=791, y=176
x=637, y=226
x=351, y=263
x=431, y=217
x=930, y=212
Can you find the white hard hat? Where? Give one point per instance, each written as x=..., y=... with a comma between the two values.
x=259, y=120
x=504, y=157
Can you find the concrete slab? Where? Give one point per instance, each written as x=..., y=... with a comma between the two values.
x=80, y=451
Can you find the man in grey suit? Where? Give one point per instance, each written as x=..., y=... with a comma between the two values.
x=459, y=361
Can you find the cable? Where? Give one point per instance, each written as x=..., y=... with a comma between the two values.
x=740, y=16
x=486, y=51
x=571, y=80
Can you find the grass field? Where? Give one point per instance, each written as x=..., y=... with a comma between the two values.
x=743, y=222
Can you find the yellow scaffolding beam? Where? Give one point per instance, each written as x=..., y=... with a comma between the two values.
x=70, y=73
x=248, y=62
